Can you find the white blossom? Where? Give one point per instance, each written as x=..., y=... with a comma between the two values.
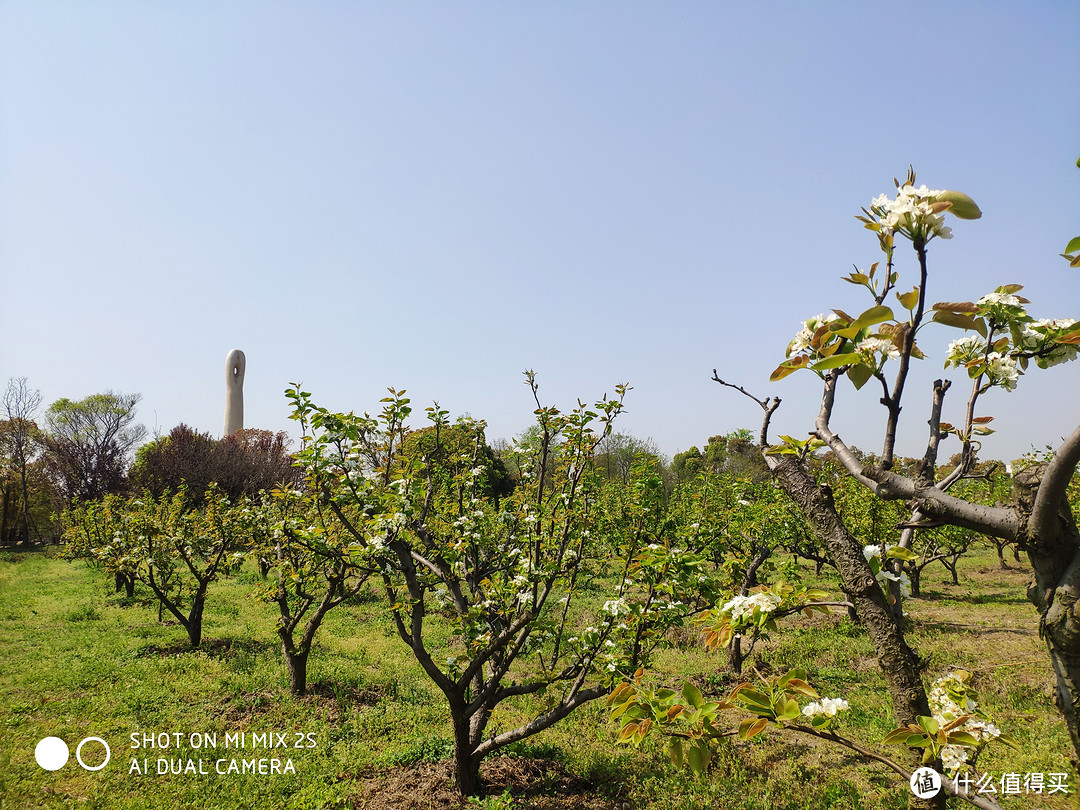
x=827, y=706
x=1001, y=370
x=964, y=350
x=953, y=757
x=740, y=606
x=616, y=607
x=870, y=346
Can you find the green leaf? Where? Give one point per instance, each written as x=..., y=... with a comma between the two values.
x=692, y=695
x=872, y=316
x=963, y=207
x=859, y=375
x=878, y=314
x=837, y=360
x=698, y=758
x=962, y=738
x=897, y=736
x=789, y=709
x=928, y=724
x=617, y=713
x=1074, y=245
x=909, y=299
x=1009, y=741
x=675, y=752
x=756, y=702
x=751, y=726
x=898, y=553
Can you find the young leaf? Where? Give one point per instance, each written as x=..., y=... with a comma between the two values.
x=955, y=306
x=698, y=758
x=675, y=752
x=963, y=207
x=627, y=732
x=837, y=360
x=859, y=375
x=751, y=726
x=909, y=299
x=692, y=695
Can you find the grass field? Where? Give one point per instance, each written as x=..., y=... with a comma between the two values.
x=77, y=661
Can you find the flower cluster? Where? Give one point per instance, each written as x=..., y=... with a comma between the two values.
x=913, y=213
x=950, y=700
x=871, y=347
x=873, y=555
x=1001, y=308
x=1038, y=336
x=805, y=337
x=744, y=606
x=962, y=351
x=828, y=707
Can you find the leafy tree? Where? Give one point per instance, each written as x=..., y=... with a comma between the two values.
x=89, y=443
x=244, y=463
x=183, y=458
x=1003, y=342
x=506, y=574
x=447, y=447
x=311, y=569
x=617, y=453
x=20, y=447
x=176, y=551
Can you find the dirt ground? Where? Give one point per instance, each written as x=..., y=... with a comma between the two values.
x=535, y=784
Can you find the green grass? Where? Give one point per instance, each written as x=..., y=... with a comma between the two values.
x=79, y=661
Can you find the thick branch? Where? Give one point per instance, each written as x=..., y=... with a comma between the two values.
x=1052, y=487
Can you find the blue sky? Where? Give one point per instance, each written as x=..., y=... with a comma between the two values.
x=436, y=196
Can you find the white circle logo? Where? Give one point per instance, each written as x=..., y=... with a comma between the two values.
x=926, y=783
x=51, y=753
x=78, y=753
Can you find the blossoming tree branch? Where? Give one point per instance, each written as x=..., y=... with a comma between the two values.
x=1002, y=344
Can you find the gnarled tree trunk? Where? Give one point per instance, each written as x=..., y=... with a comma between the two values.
x=897, y=660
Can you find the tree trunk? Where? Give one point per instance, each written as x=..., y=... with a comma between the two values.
x=915, y=573
x=1055, y=591
x=195, y=617
x=734, y=655
x=898, y=662
x=296, y=663
x=466, y=763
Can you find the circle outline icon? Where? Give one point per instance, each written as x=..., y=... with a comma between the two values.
x=78, y=754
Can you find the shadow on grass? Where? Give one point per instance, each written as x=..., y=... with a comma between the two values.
x=219, y=648
x=973, y=599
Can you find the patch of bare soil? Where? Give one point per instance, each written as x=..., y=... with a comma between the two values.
x=535, y=784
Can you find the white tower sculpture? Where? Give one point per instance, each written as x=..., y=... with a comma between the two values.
x=235, y=364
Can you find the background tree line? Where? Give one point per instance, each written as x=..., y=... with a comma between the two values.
x=82, y=450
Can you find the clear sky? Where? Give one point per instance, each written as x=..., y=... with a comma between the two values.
x=436, y=196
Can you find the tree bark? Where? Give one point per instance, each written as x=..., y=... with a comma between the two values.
x=897, y=660
x=466, y=761
x=296, y=663
x=1054, y=552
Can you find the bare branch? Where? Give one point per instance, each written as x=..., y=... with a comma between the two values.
x=767, y=405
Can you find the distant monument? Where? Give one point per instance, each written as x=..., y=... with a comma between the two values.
x=235, y=364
